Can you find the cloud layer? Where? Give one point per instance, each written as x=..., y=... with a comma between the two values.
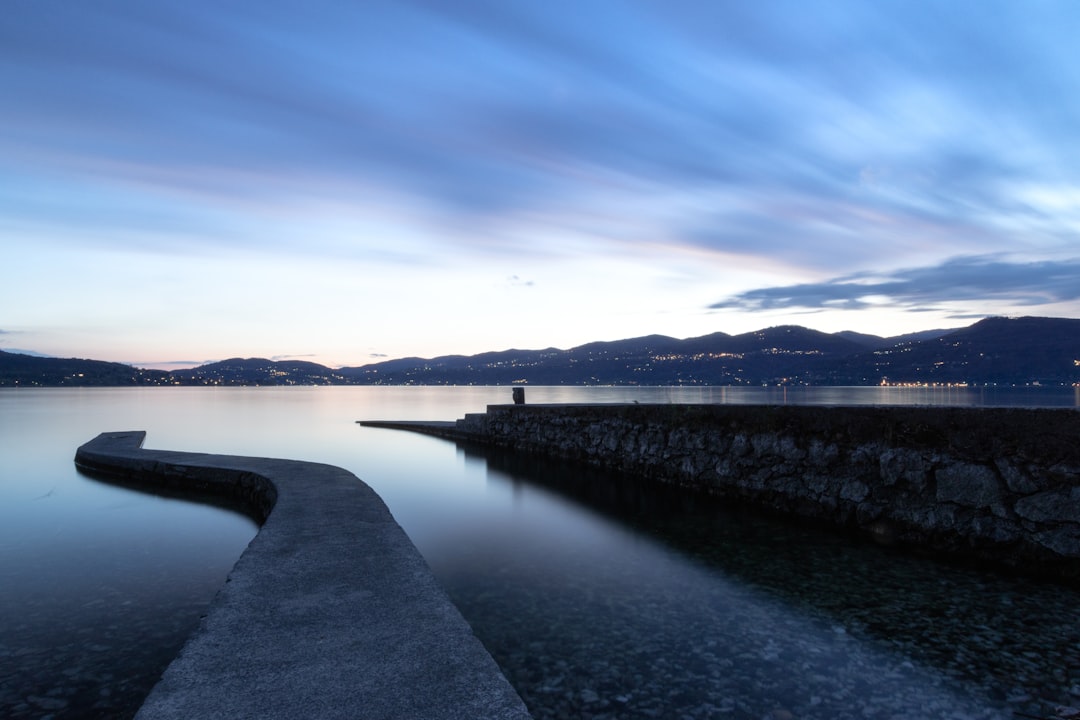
x=963, y=279
x=764, y=145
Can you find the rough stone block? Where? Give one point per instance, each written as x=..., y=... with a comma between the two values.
x=854, y=491
x=1064, y=540
x=822, y=454
x=996, y=530
x=1052, y=506
x=903, y=466
x=967, y=484
x=1015, y=478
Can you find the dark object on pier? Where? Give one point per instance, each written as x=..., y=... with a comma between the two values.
x=519, y=396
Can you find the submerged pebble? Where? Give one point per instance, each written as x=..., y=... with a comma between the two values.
x=713, y=613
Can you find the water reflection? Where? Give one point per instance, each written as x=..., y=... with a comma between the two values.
x=99, y=586
x=603, y=597
x=598, y=598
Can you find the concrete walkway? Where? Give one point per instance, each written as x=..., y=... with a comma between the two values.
x=446, y=429
x=329, y=613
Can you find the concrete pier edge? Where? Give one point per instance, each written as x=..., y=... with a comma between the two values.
x=330, y=612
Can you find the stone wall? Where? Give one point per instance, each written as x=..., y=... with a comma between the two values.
x=997, y=484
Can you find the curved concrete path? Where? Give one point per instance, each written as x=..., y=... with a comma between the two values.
x=329, y=613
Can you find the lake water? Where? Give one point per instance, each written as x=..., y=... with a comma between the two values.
x=599, y=597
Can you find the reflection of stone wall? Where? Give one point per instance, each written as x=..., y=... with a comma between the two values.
x=991, y=483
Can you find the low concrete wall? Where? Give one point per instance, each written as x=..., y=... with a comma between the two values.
x=330, y=612
x=995, y=484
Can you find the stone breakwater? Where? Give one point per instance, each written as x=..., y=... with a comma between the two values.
x=989, y=484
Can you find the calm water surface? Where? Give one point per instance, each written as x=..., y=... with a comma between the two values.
x=598, y=597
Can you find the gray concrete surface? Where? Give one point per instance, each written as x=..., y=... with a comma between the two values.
x=446, y=429
x=329, y=613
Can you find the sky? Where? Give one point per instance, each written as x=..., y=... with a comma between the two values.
x=347, y=182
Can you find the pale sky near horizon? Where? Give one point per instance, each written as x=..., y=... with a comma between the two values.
x=346, y=182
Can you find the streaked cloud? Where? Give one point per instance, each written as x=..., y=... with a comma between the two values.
x=423, y=148
x=21, y=351
x=302, y=356
x=971, y=280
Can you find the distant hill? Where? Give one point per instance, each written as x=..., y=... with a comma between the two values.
x=784, y=353
x=259, y=371
x=34, y=371
x=1014, y=351
x=1005, y=351
x=1008, y=351
x=874, y=341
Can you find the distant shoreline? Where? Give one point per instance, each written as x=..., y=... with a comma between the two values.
x=996, y=352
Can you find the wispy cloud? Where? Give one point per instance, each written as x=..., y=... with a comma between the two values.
x=22, y=351
x=515, y=110
x=387, y=140
x=962, y=279
x=292, y=357
x=166, y=364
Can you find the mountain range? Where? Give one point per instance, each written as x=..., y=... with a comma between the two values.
x=997, y=350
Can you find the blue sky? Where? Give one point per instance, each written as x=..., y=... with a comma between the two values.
x=350, y=181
